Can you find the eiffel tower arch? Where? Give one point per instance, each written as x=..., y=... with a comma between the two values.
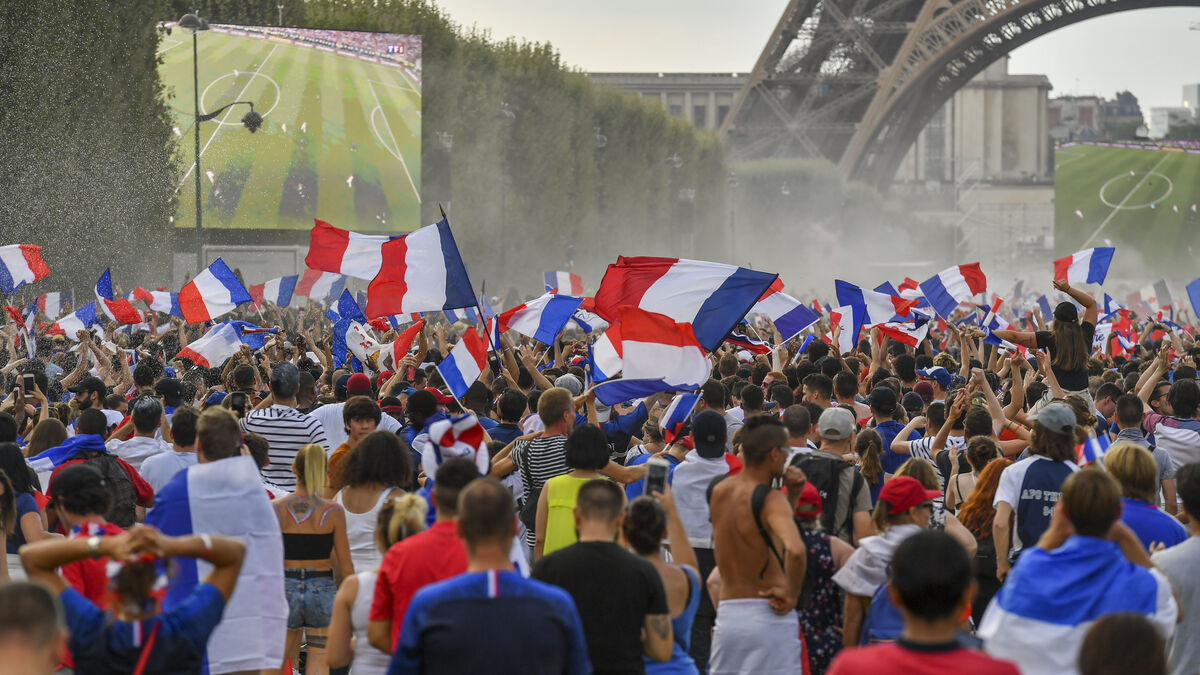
x=855, y=81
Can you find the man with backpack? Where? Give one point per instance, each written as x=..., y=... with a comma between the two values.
x=845, y=499
x=128, y=491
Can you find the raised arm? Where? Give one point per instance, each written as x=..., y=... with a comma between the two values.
x=1082, y=297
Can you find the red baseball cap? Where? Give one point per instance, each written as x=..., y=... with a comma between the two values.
x=904, y=492
x=441, y=398
x=810, y=496
x=358, y=385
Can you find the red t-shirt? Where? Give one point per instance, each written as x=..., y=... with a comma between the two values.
x=89, y=576
x=411, y=564
x=914, y=659
x=141, y=489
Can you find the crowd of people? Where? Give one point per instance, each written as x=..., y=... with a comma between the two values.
x=952, y=507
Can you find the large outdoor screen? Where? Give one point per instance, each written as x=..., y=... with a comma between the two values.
x=341, y=133
x=1141, y=197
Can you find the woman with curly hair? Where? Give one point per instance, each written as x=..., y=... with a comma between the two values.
x=977, y=515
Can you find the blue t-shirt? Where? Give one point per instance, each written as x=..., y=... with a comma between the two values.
x=887, y=431
x=1150, y=524
x=505, y=433
x=634, y=489
x=25, y=504
x=101, y=644
x=491, y=622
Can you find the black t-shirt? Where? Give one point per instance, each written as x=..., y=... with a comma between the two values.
x=944, y=467
x=1069, y=380
x=614, y=590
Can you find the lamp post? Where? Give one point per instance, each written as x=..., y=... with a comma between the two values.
x=251, y=120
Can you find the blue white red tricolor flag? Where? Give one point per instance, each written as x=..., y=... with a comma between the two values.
x=277, y=291
x=318, y=285
x=676, y=415
x=159, y=301
x=1091, y=450
x=211, y=294
x=331, y=249
x=221, y=342
x=741, y=340
x=20, y=264
x=563, y=283
x=657, y=354
x=790, y=316
x=542, y=318
x=54, y=304
x=1089, y=266
x=81, y=319
x=948, y=288
x=421, y=272
x=115, y=308
x=465, y=362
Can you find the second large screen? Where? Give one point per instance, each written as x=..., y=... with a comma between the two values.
x=341, y=133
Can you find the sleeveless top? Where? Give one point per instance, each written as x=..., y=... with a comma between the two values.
x=822, y=616
x=681, y=626
x=360, y=534
x=561, y=494
x=367, y=659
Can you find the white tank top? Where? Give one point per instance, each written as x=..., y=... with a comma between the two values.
x=367, y=659
x=360, y=534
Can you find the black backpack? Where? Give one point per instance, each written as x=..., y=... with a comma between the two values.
x=122, y=510
x=825, y=474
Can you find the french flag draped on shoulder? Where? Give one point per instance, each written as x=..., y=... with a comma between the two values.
x=335, y=250
x=464, y=364
x=422, y=272
x=790, y=316
x=221, y=342
x=159, y=301
x=54, y=305
x=48, y=459
x=542, y=318
x=81, y=319
x=657, y=354
x=211, y=294
x=564, y=283
x=227, y=497
x=676, y=415
x=951, y=286
x=277, y=291
x=1089, y=266
x=318, y=285
x=712, y=297
x=20, y=264
x=117, y=309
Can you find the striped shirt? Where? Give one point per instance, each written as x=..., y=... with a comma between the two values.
x=286, y=430
x=543, y=458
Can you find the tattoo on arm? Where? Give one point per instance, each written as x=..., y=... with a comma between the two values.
x=660, y=624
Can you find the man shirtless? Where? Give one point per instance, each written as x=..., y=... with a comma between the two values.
x=757, y=630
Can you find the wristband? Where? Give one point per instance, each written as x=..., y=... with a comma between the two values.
x=207, y=540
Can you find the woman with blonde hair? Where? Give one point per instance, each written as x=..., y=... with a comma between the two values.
x=316, y=555
x=398, y=518
x=976, y=515
x=924, y=472
x=1135, y=470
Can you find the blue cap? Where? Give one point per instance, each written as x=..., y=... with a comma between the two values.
x=214, y=398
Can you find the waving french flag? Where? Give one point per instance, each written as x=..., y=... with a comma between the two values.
x=422, y=272
x=159, y=301
x=318, y=285
x=464, y=314
x=117, y=309
x=843, y=318
x=739, y=339
x=711, y=297
x=676, y=415
x=54, y=304
x=871, y=307
x=277, y=291
x=991, y=318
x=464, y=364
x=20, y=264
x=334, y=250
x=911, y=334
x=791, y=317
x=1111, y=307
x=565, y=283
x=951, y=286
x=402, y=344
x=1089, y=266
x=81, y=319
x=220, y=343
x=657, y=354
x=214, y=292
x=604, y=355
x=542, y=318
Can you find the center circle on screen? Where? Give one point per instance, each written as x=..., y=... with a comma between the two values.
x=238, y=121
x=1131, y=207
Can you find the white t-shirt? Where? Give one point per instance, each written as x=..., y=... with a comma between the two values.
x=330, y=417
x=158, y=470
x=1032, y=487
x=137, y=449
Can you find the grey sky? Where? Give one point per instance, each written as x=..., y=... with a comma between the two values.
x=1150, y=52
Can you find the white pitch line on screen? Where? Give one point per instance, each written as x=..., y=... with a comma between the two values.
x=388, y=126
x=174, y=43
x=226, y=116
x=1117, y=209
x=404, y=87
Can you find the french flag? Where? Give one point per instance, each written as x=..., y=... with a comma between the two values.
x=871, y=307
x=657, y=354
x=843, y=318
x=742, y=341
x=20, y=264
x=951, y=286
x=117, y=309
x=790, y=316
x=403, y=343
x=251, y=335
x=54, y=304
x=226, y=497
x=676, y=415
x=604, y=355
x=588, y=321
x=159, y=301
x=1112, y=307
x=566, y=283
x=1044, y=306
x=318, y=285
x=712, y=297
x=908, y=333
x=1089, y=266
x=464, y=364
x=991, y=318
x=542, y=318
x=221, y=342
x=212, y=293
x=81, y=319
x=422, y=271
x=464, y=314
x=334, y=250
x=277, y=291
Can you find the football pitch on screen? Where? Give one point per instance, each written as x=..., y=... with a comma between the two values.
x=1141, y=199
x=340, y=141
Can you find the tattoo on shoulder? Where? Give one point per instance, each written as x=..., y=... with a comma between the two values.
x=661, y=625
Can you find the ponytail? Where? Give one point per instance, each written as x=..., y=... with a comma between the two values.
x=310, y=466
x=400, y=518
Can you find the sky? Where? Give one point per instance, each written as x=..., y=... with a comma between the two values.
x=1151, y=52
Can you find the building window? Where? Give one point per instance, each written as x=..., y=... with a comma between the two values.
x=699, y=116
x=722, y=113
x=675, y=110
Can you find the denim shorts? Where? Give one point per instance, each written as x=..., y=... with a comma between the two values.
x=310, y=601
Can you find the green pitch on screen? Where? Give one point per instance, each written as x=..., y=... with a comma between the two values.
x=341, y=136
x=1143, y=201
